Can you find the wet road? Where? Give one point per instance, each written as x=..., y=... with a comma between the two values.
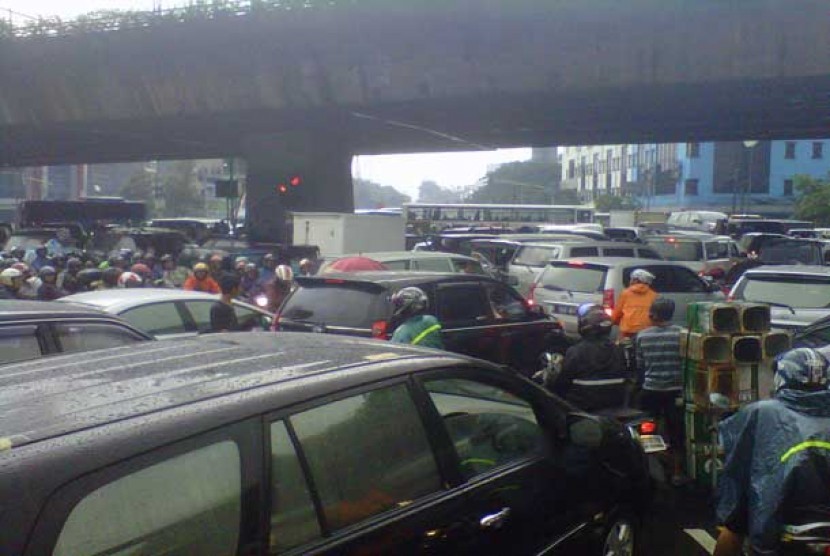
x=681, y=523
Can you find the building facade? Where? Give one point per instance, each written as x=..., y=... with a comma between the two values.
x=736, y=177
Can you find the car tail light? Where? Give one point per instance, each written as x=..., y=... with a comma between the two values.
x=648, y=427
x=608, y=301
x=531, y=295
x=379, y=329
x=333, y=281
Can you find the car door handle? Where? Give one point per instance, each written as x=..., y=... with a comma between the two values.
x=496, y=520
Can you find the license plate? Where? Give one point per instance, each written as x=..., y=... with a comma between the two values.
x=653, y=443
x=561, y=309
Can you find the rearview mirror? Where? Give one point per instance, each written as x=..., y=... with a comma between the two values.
x=585, y=431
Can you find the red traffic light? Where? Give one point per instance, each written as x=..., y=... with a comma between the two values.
x=282, y=188
x=295, y=181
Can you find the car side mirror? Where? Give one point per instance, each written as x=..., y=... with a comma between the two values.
x=585, y=431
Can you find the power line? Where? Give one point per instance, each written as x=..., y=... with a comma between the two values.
x=14, y=12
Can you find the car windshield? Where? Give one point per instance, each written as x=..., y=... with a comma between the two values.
x=573, y=278
x=791, y=252
x=336, y=305
x=109, y=242
x=673, y=250
x=813, y=291
x=536, y=256
x=27, y=242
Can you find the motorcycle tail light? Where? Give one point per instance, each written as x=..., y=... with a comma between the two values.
x=379, y=329
x=648, y=427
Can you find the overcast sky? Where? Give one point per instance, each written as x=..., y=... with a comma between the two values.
x=404, y=172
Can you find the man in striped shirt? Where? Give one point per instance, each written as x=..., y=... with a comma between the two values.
x=660, y=375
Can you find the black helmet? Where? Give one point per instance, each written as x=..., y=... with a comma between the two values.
x=409, y=301
x=593, y=320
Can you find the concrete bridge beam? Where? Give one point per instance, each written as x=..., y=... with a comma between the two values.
x=321, y=161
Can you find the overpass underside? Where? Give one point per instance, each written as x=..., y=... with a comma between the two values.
x=303, y=92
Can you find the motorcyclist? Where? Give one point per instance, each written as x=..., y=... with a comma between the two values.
x=40, y=259
x=306, y=267
x=249, y=285
x=48, y=290
x=279, y=288
x=777, y=456
x=109, y=278
x=593, y=372
x=631, y=309
x=201, y=280
x=130, y=280
x=172, y=275
x=144, y=272
x=415, y=327
x=30, y=282
x=269, y=266
x=10, y=281
x=68, y=279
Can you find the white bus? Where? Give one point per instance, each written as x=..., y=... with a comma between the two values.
x=437, y=216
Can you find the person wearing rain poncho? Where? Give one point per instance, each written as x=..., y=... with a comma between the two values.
x=777, y=456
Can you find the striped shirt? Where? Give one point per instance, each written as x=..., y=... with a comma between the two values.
x=659, y=365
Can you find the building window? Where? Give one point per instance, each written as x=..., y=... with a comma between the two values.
x=818, y=147
x=690, y=187
x=789, y=150
x=571, y=169
x=788, y=188
x=692, y=150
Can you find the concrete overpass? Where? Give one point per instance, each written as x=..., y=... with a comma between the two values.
x=302, y=91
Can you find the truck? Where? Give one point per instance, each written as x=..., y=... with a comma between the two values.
x=340, y=233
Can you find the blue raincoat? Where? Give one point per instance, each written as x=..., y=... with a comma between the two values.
x=777, y=458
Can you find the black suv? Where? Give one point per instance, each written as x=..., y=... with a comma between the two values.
x=480, y=316
x=35, y=329
x=290, y=444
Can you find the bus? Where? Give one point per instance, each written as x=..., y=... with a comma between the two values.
x=432, y=217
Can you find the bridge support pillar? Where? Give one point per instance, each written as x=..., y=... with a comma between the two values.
x=306, y=173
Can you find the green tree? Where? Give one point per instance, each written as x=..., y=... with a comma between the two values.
x=140, y=188
x=371, y=195
x=813, y=199
x=525, y=182
x=431, y=192
x=606, y=202
x=181, y=190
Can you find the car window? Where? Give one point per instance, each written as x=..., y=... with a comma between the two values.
x=200, y=311
x=293, y=517
x=670, y=279
x=505, y=303
x=717, y=250
x=536, y=256
x=649, y=254
x=811, y=291
x=733, y=249
x=432, y=264
x=467, y=266
x=488, y=425
x=249, y=319
x=18, y=343
x=337, y=305
x=462, y=303
x=367, y=454
x=156, y=319
x=191, y=502
x=75, y=337
x=618, y=252
x=819, y=337
x=672, y=249
x=575, y=278
x=397, y=265
x=584, y=252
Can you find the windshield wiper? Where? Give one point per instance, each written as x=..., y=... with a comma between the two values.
x=558, y=289
x=774, y=304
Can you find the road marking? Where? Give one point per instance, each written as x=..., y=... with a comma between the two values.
x=703, y=538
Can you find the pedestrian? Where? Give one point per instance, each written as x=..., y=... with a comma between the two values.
x=631, y=309
x=777, y=457
x=660, y=378
x=201, y=281
x=222, y=314
x=415, y=326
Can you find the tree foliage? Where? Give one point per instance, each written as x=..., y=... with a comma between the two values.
x=371, y=195
x=813, y=199
x=181, y=190
x=431, y=192
x=526, y=182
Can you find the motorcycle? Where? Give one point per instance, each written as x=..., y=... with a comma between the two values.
x=807, y=533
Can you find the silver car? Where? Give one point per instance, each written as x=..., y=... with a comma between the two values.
x=798, y=294
x=565, y=285
x=530, y=259
x=167, y=313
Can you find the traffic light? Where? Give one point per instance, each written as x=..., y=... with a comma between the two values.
x=294, y=180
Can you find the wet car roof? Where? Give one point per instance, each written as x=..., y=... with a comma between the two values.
x=19, y=309
x=384, y=277
x=51, y=397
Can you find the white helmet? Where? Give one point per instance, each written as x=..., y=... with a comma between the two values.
x=284, y=273
x=129, y=280
x=642, y=275
x=8, y=275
